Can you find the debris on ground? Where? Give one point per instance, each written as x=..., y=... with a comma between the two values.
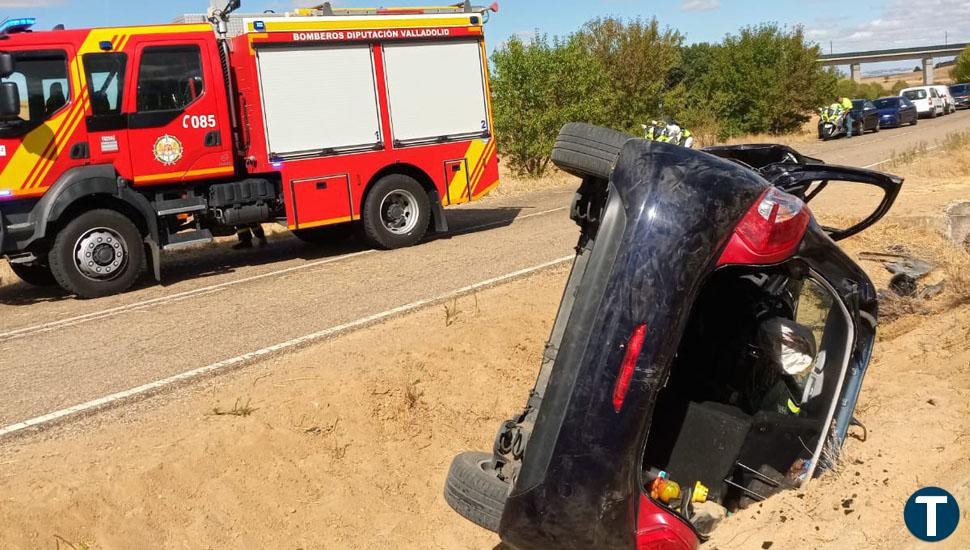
x=907, y=270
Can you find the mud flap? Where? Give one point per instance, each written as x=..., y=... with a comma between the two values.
x=438, y=212
x=154, y=255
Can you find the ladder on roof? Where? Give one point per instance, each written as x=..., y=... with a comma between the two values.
x=326, y=10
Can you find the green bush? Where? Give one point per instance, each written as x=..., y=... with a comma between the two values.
x=637, y=55
x=961, y=70
x=765, y=79
x=539, y=86
x=622, y=73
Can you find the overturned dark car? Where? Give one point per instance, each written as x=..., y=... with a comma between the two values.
x=709, y=349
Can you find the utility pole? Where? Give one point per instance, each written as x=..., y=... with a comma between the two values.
x=830, y=47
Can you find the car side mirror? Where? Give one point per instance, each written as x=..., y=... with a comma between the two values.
x=9, y=100
x=6, y=64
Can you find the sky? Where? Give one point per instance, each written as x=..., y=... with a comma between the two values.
x=837, y=25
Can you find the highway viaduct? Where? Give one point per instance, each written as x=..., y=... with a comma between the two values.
x=925, y=53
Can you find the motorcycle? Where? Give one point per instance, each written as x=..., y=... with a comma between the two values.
x=832, y=123
x=670, y=132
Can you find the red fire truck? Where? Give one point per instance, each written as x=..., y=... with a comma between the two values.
x=118, y=143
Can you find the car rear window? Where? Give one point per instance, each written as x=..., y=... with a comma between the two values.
x=886, y=102
x=914, y=94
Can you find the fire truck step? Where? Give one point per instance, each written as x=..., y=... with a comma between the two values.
x=181, y=240
x=180, y=206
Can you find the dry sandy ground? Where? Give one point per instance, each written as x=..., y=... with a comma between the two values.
x=341, y=445
x=345, y=444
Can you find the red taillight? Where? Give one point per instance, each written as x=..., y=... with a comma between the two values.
x=659, y=529
x=770, y=232
x=629, y=364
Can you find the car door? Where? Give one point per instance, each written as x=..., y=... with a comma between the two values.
x=178, y=126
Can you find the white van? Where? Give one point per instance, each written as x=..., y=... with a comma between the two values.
x=927, y=100
x=949, y=104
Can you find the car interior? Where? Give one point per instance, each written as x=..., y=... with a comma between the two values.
x=750, y=396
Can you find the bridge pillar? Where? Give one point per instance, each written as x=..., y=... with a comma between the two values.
x=927, y=71
x=855, y=71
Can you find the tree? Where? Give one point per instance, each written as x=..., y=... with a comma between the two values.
x=639, y=57
x=961, y=69
x=764, y=79
x=539, y=86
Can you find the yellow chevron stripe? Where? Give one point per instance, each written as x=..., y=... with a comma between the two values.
x=482, y=163
x=61, y=143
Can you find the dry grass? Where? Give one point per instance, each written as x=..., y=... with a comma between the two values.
x=515, y=184
x=807, y=133
x=949, y=158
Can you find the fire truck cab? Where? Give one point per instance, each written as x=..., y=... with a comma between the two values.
x=119, y=143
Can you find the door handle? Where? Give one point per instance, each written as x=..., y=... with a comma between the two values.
x=213, y=139
x=80, y=151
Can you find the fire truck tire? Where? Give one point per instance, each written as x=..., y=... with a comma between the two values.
x=99, y=253
x=325, y=235
x=586, y=150
x=37, y=274
x=396, y=212
x=473, y=492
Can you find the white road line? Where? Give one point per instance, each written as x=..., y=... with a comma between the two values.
x=890, y=160
x=287, y=345
x=110, y=312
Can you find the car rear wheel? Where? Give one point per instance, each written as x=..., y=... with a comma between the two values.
x=36, y=274
x=97, y=254
x=586, y=150
x=476, y=492
x=397, y=212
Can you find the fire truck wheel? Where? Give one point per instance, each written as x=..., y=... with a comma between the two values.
x=98, y=253
x=36, y=274
x=396, y=212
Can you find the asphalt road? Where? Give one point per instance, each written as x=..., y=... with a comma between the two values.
x=218, y=304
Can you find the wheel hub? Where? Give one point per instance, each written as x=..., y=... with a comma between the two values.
x=399, y=212
x=100, y=254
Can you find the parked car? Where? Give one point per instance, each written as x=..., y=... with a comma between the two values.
x=696, y=272
x=865, y=117
x=895, y=111
x=961, y=95
x=949, y=105
x=926, y=98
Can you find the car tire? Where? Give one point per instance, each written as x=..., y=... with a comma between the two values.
x=397, y=212
x=476, y=494
x=330, y=234
x=36, y=274
x=114, y=249
x=875, y=128
x=586, y=150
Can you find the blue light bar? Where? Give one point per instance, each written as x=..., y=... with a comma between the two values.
x=21, y=24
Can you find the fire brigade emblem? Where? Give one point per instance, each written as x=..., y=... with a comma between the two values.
x=168, y=150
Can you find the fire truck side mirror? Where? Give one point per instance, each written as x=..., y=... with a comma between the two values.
x=6, y=64
x=9, y=99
